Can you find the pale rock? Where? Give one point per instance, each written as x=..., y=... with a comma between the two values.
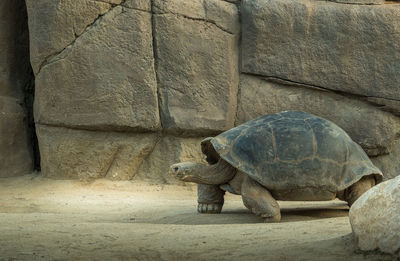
x=197, y=69
x=341, y=47
x=373, y=129
x=105, y=80
x=169, y=150
x=144, y=5
x=55, y=24
x=375, y=218
x=82, y=154
x=360, y=2
x=222, y=14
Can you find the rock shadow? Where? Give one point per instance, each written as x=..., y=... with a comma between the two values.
x=244, y=216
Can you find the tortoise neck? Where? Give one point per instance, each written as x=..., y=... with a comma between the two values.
x=215, y=174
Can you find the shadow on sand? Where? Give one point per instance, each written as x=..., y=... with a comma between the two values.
x=244, y=216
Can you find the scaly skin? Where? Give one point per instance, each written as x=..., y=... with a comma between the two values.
x=255, y=196
x=210, y=199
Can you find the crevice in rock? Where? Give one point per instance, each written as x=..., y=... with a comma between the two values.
x=204, y=20
x=158, y=140
x=53, y=57
x=239, y=91
x=136, y=9
x=364, y=98
x=28, y=104
x=29, y=91
x=344, y=3
x=100, y=128
x=106, y=2
x=155, y=58
x=111, y=163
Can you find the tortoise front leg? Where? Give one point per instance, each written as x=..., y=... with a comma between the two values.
x=260, y=201
x=210, y=199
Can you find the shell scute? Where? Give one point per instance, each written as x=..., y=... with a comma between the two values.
x=291, y=150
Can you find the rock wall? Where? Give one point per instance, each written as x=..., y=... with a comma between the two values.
x=125, y=88
x=15, y=77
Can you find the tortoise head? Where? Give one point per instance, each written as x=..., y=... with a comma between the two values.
x=184, y=171
x=215, y=174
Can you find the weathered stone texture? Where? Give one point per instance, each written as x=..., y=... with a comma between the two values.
x=169, y=150
x=341, y=47
x=68, y=153
x=144, y=5
x=15, y=149
x=389, y=164
x=360, y=2
x=55, y=24
x=373, y=129
x=375, y=218
x=222, y=14
x=105, y=80
x=197, y=66
x=109, y=70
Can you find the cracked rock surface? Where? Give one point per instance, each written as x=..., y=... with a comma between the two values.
x=373, y=129
x=166, y=73
x=198, y=75
x=340, y=47
x=105, y=80
x=82, y=154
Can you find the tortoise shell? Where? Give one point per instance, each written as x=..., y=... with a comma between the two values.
x=295, y=150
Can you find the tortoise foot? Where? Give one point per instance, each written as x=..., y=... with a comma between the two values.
x=273, y=219
x=212, y=208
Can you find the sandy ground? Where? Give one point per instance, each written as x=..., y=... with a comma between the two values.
x=42, y=219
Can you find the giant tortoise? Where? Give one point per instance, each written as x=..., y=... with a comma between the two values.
x=290, y=155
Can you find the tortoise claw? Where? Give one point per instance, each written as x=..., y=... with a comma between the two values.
x=212, y=208
x=273, y=219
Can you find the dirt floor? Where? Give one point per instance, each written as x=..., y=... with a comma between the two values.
x=42, y=219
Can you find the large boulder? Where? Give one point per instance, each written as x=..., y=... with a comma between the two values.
x=197, y=64
x=104, y=77
x=15, y=146
x=340, y=47
x=82, y=154
x=375, y=218
x=373, y=129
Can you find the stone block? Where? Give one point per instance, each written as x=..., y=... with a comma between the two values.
x=389, y=164
x=340, y=47
x=82, y=154
x=373, y=129
x=169, y=150
x=104, y=80
x=197, y=66
x=55, y=24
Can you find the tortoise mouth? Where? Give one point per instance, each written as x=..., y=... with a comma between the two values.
x=182, y=171
x=199, y=173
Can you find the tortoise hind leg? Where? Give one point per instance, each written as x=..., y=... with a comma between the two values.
x=260, y=201
x=210, y=199
x=352, y=193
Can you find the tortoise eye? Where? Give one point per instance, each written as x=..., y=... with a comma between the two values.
x=176, y=169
